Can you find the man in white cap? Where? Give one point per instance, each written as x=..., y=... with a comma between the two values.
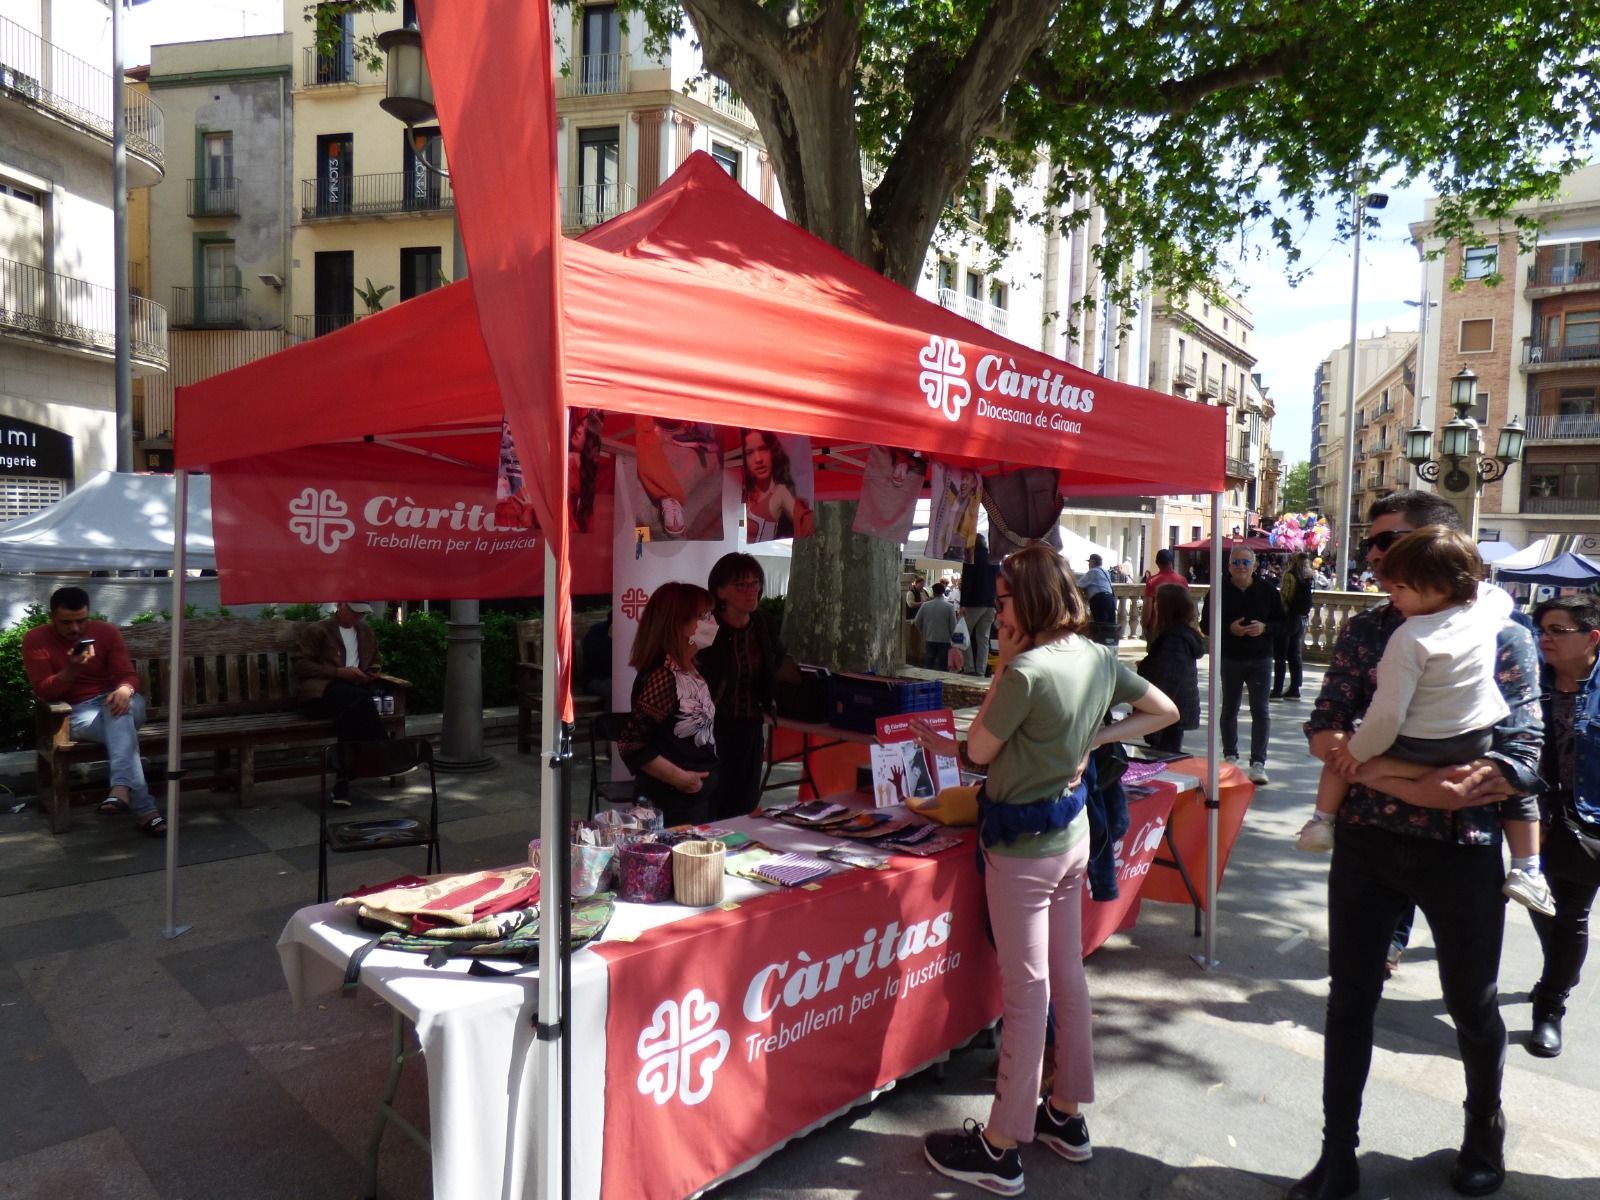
x=335, y=666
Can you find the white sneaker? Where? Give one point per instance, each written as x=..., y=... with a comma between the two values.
x=1258, y=773
x=1231, y=759
x=1316, y=837
x=672, y=517
x=1529, y=889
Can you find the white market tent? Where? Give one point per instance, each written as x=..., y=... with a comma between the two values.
x=1495, y=554
x=113, y=522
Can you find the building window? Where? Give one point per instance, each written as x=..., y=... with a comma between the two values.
x=1172, y=535
x=1479, y=261
x=216, y=173
x=1183, y=350
x=1566, y=262
x=974, y=286
x=1583, y=329
x=600, y=65
x=422, y=158
x=997, y=295
x=727, y=158
x=217, y=302
x=421, y=270
x=1563, y=481
x=1479, y=411
x=1194, y=533
x=599, y=180
x=1477, y=336
x=947, y=275
x=335, y=162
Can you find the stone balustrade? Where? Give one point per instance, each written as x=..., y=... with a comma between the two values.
x=1329, y=613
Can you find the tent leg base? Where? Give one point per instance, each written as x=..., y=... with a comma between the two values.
x=1204, y=963
x=175, y=931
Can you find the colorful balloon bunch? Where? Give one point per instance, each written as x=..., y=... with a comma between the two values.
x=1301, y=531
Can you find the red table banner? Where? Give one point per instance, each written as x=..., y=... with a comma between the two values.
x=1135, y=853
x=729, y=1033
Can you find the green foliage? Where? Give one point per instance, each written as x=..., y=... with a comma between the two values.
x=298, y=612
x=1297, y=488
x=499, y=658
x=415, y=651
x=191, y=612
x=16, y=696
x=771, y=607
x=372, y=295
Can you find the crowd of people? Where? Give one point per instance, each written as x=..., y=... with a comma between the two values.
x=1444, y=728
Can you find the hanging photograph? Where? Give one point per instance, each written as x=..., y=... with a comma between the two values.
x=889, y=491
x=583, y=465
x=676, y=491
x=513, y=507
x=953, y=520
x=779, y=489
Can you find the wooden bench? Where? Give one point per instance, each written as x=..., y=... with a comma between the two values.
x=529, y=670
x=238, y=693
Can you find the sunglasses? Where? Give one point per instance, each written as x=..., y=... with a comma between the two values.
x=1382, y=541
x=1241, y=562
x=1559, y=630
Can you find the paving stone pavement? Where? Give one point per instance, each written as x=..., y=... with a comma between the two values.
x=134, y=1066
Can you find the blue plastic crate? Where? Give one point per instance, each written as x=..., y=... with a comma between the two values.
x=856, y=702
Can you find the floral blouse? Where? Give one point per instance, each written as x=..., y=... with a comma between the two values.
x=1348, y=688
x=671, y=718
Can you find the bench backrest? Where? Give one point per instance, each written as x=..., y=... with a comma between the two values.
x=230, y=667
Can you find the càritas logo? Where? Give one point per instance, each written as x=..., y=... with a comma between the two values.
x=319, y=518
x=682, y=1049
x=944, y=376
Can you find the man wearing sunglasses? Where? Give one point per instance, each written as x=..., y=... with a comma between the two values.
x=1434, y=843
x=1252, y=615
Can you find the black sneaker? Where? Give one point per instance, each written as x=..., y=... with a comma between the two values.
x=968, y=1157
x=1067, y=1136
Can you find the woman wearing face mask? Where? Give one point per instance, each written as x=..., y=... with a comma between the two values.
x=742, y=666
x=668, y=741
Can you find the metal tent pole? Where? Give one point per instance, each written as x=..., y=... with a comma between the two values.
x=1207, y=958
x=180, y=534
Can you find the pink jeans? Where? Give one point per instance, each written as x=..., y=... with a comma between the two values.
x=1036, y=908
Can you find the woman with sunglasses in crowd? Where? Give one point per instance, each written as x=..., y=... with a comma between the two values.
x=742, y=667
x=1569, y=642
x=1041, y=717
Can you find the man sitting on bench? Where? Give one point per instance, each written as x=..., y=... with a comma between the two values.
x=85, y=664
x=335, y=665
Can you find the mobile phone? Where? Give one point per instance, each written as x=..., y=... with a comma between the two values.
x=83, y=644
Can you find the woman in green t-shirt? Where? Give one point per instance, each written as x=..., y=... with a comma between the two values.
x=1042, y=716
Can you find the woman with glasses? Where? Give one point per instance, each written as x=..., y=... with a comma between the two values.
x=1039, y=721
x=1569, y=642
x=668, y=741
x=742, y=667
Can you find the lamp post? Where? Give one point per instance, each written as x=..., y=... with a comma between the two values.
x=408, y=97
x=1361, y=201
x=1461, y=468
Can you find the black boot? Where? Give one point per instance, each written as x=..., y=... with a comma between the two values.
x=1544, y=1040
x=1481, y=1166
x=1334, y=1177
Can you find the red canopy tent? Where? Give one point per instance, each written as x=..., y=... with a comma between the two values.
x=700, y=303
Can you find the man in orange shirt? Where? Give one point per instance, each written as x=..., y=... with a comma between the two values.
x=1164, y=574
x=85, y=664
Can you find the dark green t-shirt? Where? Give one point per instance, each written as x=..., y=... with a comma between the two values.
x=1046, y=708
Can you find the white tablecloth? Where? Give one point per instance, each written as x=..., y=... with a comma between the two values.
x=477, y=1035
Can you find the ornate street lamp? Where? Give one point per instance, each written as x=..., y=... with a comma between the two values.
x=408, y=88
x=1461, y=459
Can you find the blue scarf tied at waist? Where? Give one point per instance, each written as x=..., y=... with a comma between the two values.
x=1003, y=823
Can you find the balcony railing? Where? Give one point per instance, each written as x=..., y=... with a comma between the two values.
x=314, y=325
x=1550, y=274
x=1208, y=387
x=583, y=207
x=1237, y=468
x=1330, y=611
x=1535, y=353
x=346, y=196
x=331, y=70
x=596, y=75
x=75, y=312
x=1183, y=377
x=1570, y=427
x=1230, y=394
x=213, y=197
x=1562, y=505
x=214, y=307
x=68, y=87
x=990, y=316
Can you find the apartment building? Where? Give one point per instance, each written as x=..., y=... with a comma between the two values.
x=1528, y=327
x=1376, y=358
x=57, y=267
x=1201, y=351
x=1386, y=408
x=219, y=227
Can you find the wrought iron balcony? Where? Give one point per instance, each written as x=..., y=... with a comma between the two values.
x=314, y=325
x=1567, y=274
x=45, y=77
x=596, y=75
x=1535, y=354
x=1568, y=427
x=213, y=197
x=344, y=197
x=593, y=203
x=1237, y=468
x=331, y=70
x=1562, y=505
x=76, y=313
x=990, y=316
x=215, y=307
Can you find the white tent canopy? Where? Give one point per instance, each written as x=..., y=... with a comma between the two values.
x=1539, y=551
x=113, y=522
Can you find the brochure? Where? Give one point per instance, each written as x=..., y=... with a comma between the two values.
x=902, y=770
